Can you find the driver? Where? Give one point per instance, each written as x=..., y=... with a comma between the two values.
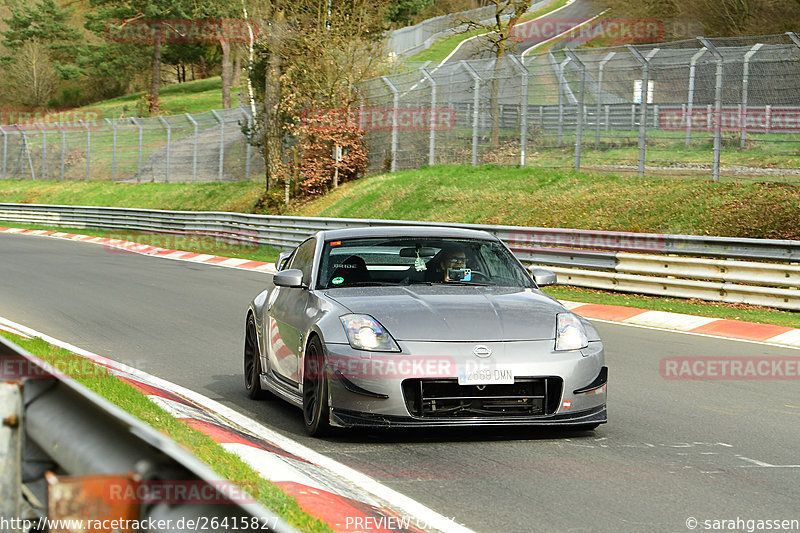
x=448, y=259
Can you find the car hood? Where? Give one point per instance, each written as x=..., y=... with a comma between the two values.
x=455, y=313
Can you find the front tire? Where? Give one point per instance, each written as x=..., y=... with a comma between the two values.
x=252, y=362
x=316, y=414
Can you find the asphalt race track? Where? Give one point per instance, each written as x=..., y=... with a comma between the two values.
x=673, y=449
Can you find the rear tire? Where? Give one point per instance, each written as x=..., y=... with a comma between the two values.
x=252, y=362
x=316, y=413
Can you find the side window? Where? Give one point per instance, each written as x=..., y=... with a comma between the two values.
x=304, y=259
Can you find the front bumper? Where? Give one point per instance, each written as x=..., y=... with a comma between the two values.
x=367, y=389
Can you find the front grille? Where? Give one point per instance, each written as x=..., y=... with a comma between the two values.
x=445, y=398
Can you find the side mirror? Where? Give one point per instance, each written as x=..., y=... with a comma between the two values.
x=543, y=277
x=292, y=278
x=283, y=257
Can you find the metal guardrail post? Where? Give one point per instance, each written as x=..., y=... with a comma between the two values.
x=169, y=138
x=523, y=108
x=717, y=106
x=113, y=149
x=580, y=110
x=139, y=168
x=690, y=97
x=745, y=82
x=221, y=141
x=395, y=111
x=194, y=152
x=11, y=432
x=476, y=108
x=645, y=62
x=74, y=431
x=433, y=118
x=600, y=69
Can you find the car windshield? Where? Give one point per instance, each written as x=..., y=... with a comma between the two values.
x=407, y=261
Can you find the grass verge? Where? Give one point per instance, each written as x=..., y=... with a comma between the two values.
x=130, y=399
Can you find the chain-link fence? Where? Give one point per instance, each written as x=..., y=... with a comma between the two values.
x=726, y=106
x=199, y=147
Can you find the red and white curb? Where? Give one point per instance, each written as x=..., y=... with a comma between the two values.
x=138, y=248
x=716, y=327
x=340, y=496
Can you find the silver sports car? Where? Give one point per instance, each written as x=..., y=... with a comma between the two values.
x=420, y=326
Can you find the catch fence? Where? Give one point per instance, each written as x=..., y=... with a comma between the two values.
x=716, y=106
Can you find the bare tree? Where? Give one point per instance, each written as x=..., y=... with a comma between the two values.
x=32, y=77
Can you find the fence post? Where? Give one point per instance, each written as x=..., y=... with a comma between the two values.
x=561, y=81
x=645, y=62
x=600, y=68
x=523, y=109
x=27, y=151
x=745, y=82
x=221, y=141
x=395, y=106
x=248, y=147
x=44, y=150
x=113, y=149
x=433, y=118
x=690, y=97
x=63, y=149
x=10, y=448
x=476, y=104
x=5, y=149
x=579, y=111
x=717, y=106
x=169, y=138
x=194, y=153
x=139, y=169
x=88, y=149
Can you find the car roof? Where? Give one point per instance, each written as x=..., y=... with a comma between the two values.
x=405, y=231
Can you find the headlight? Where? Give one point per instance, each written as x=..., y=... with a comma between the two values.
x=570, y=334
x=365, y=333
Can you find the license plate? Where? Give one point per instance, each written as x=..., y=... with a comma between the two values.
x=485, y=375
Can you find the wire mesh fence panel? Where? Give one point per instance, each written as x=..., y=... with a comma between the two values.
x=210, y=146
x=706, y=106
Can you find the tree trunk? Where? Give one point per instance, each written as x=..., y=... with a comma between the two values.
x=226, y=71
x=236, y=75
x=155, y=83
x=273, y=128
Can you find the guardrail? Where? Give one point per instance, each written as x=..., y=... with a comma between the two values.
x=728, y=267
x=68, y=454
